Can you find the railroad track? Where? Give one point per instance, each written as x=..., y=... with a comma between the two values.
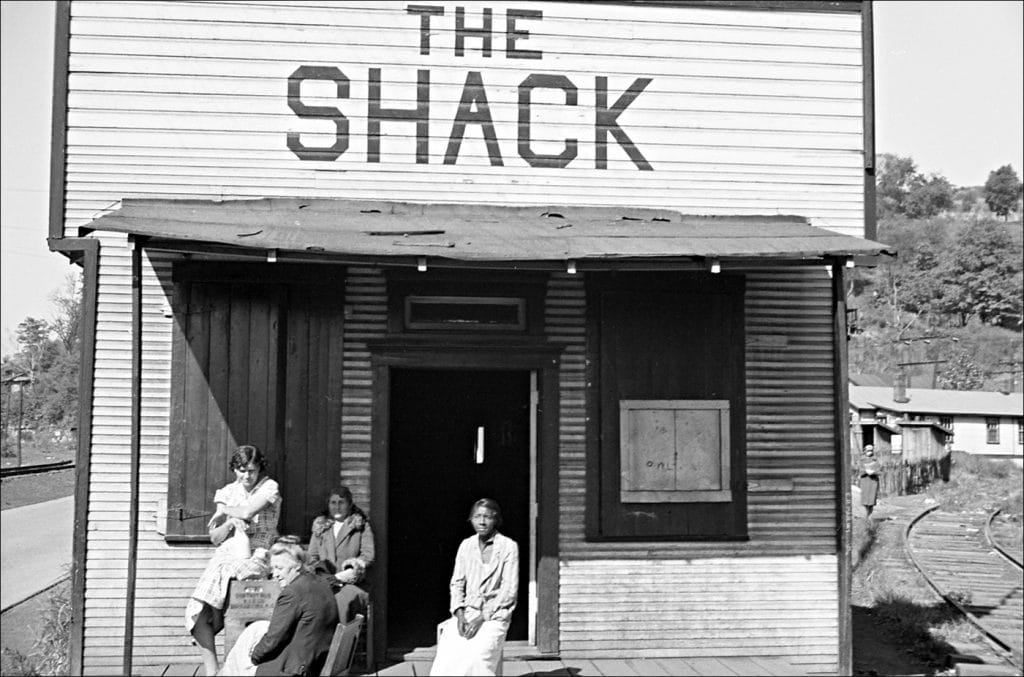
x=37, y=468
x=956, y=557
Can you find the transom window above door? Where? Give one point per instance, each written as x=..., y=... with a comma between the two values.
x=466, y=303
x=465, y=312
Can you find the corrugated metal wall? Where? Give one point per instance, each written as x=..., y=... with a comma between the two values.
x=776, y=594
x=747, y=112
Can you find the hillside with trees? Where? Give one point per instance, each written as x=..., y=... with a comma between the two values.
x=40, y=379
x=949, y=306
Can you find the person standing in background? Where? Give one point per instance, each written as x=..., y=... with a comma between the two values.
x=869, y=471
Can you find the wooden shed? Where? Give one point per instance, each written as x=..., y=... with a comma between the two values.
x=606, y=240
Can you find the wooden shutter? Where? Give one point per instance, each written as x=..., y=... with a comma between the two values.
x=257, y=359
x=666, y=337
x=224, y=385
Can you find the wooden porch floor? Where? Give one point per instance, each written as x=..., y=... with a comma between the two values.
x=581, y=667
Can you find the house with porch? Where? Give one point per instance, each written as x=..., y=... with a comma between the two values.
x=977, y=422
x=584, y=258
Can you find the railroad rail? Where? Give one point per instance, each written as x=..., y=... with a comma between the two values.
x=1014, y=556
x=954, y=554
x=36, y=468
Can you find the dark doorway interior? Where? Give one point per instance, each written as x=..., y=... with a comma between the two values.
x=434, y=478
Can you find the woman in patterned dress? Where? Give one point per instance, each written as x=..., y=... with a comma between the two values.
x=243, y=528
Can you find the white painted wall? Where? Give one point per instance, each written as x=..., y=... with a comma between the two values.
x=970, y=434
x=746, y=112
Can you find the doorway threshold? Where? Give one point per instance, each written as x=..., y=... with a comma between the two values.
x=518, y=650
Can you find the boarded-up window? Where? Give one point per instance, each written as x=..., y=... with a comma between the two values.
x=674, y=451
x=256, y=359
x=671, y=347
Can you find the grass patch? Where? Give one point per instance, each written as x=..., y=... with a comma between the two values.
x=45, y=446
x=979, y=484
x=49, y=653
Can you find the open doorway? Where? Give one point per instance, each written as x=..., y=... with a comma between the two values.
x=437, y=468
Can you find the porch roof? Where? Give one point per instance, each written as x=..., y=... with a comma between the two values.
x=932, y=401
x=478, y=232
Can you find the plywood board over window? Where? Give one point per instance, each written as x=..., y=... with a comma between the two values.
x=660, y=340
x=674, y=451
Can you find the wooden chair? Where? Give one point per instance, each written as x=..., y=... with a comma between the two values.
x=343, y=648
x=364, y=647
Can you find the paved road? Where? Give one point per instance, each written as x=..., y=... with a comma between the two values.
x=35, y=548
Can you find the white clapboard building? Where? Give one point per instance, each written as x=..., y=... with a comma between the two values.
x=585, y=258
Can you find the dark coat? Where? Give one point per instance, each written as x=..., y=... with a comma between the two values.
x=301, y=628
x=326, y=553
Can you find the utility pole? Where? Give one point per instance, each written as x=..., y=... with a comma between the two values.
x=20, y=382
x=904, y=350
x=1011, y=373
x=903, y=378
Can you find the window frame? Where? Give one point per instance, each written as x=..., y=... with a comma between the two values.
x=947, y=423
x=992, y=429
x=517, y=302
x=622, y=309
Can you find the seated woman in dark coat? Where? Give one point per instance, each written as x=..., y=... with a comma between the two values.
x=341, y=550
x=297, y=638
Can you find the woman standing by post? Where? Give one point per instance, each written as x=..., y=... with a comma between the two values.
x=243, y=527
x=484, y=587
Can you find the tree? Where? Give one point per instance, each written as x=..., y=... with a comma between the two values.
x=68, y=303
x=969, y=199
x=961, y=373
x=48, y=353
x=928, y=197
x=901, y=189
x=33, y=336
x=1003, y=191
x=982, y=275
x=896, y=174
x=904, y=289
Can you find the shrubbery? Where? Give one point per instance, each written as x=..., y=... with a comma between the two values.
x=49, y=654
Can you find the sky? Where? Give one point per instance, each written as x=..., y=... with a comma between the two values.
x=949, y=92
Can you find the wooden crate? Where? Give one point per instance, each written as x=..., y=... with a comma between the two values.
x=248, y=601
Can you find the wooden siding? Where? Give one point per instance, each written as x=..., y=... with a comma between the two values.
x=747, y=112
x=667, y=599
x=167, y=574
x=699, y=599
x=160, y=600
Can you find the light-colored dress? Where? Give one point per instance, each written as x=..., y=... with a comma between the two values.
x=232, y=558
x=239, y=661
x=487, y=589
